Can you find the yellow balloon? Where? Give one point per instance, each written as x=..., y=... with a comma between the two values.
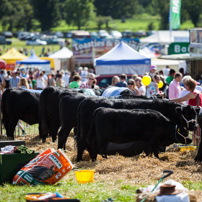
x=146, y=80
x=160, y=85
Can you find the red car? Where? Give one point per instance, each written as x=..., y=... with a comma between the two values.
x=104, y=80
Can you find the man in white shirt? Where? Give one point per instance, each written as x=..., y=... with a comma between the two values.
x=166, y=71
x=66, y=78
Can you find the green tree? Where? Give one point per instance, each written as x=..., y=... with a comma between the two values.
x=194, y=8
x=116, y=8
x=162, y=7
x=47, y=12
x=16, y=14
x=79, y=12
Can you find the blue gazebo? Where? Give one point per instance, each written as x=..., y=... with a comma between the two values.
x=33, y=59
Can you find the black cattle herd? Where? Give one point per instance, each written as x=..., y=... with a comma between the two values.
x=126, y=125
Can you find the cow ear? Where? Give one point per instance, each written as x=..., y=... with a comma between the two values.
x=178, y=110
x=197, y=110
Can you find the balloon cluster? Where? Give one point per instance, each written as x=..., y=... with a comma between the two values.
x=146, y=80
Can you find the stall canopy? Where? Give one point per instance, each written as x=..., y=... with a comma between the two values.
x=33, y=59
x=12, y=55
x=122, y=59
x=63, y=53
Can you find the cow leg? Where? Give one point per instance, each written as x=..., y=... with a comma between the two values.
x=80, y=149
x=199, y=154
x=11, y=128
x=54, y=130
x=63, y=135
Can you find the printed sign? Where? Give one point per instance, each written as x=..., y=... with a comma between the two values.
x=86, y=50
x=178, y=48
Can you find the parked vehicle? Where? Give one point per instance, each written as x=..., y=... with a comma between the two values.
x=127, y=34
x=69, y=34
x=94, y=35
x=103, y=34
x=140, y=33
x=36, y=42
x=116, y=34
x=105, y=80
x=7, y=34
x=3, y=41
x=59, y=34
x=80, y=34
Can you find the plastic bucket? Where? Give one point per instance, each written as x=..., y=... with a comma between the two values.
x=84, y=176
x=191, y=148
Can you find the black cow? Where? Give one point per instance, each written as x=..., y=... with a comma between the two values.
x=68, y=108
x=199, y=154
x=181, y=115
x=122, y=126
x=19, y=104
x=49, y=110
x=68, y=116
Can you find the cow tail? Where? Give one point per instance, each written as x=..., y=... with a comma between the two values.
x=91, y=133
x=3, y=103
x=77, y=136
x=42, y=108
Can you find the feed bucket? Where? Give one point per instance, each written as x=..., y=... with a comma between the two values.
x=84, y=176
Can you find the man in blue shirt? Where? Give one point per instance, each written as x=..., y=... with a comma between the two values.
x=122, y=83
x=14, y=80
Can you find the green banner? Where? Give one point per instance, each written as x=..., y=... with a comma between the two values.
x=178, y=48
x=175, y=12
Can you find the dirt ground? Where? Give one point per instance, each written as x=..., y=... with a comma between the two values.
x=138, y=170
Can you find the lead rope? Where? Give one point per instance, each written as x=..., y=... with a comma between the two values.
x=187, y=122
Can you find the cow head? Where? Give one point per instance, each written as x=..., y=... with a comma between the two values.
x=187, y=117
x=182, y=135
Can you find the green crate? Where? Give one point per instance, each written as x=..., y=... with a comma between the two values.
x=10, y=164
x=4, y=143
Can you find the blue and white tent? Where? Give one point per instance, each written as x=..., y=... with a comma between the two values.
x=122, y=59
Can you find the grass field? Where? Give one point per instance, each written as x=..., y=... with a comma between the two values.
x=16, y=43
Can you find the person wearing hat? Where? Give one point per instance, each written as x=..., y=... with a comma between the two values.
x=171, y=76
x=14, y=80
x=152, y=72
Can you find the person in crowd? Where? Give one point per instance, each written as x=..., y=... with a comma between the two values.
x=134, y=76
x=152, y=72
x=160, y=73
x=164, y=89
x=141, y=87
x=131, y=85
x=75, y=83
x=14, y=80
x=166, y=71
x=73, y=73
x=191, y=96
x=33, y=82
x=51, y=81
x=174, y=87
x=59, y=81
x=115, y=80
x=40, y=82
x=122, y=83
x=84, y=74
x=45, y=77
x=181, y=70
x=80, y=69
x=66, y=78
x=89, y=82
x=152, y=88
x=95, y=86
x=2, y=76
x=6, y=80
x=23, y=83
x=171, y=76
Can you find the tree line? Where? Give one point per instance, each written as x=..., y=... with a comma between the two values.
x=21, y=14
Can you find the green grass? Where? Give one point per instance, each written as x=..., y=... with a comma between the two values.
x=16, y=43
x=92, y=192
